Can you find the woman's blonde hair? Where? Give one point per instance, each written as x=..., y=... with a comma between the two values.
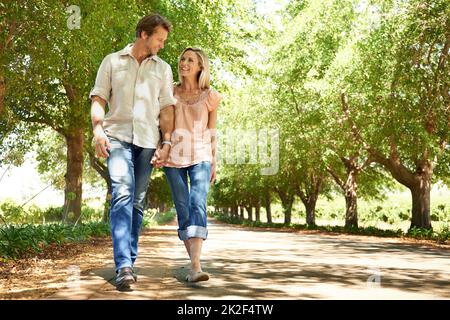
x=203, y=77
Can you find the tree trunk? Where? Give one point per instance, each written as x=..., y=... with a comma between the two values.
x=257, y=211
x=107, y=204
x=421, y=203
x=234, y=211
x=418, y=182
x=310, y=207
x=287, y=200
x=241, y=213
x=309, y=197
x=250, y=213
x=350, y=190
x=2, y=93
x=102, y=170
x=73, y=177
x=267, y=206
x=287, y=208
x=351, y=200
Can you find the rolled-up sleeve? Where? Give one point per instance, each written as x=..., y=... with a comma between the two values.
x=102, y=87
x=166, y=97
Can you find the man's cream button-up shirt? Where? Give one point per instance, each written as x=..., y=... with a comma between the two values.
x=135, y=95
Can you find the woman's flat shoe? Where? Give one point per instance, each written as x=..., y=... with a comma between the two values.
x=197, y=276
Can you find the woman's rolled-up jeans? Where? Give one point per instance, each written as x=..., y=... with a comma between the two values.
x=190, y=198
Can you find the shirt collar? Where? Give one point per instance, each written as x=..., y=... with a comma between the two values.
x=127, y=51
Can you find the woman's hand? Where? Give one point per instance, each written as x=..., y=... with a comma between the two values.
x=163, y=154
x=160, y=157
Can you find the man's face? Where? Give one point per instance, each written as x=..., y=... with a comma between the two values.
x=156, y=41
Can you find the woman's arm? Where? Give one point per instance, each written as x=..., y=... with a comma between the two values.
x=212, y=120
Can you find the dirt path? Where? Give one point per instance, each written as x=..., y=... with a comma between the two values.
x=254, y=264
x=53, y=270
x=261, y=264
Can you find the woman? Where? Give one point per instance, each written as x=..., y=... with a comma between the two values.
x=193, y=153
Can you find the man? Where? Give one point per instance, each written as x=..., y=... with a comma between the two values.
x=137, y=86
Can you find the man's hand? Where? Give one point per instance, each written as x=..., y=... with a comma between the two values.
x=100, y=139
x=155, y=158
x=164, y=154
x=213, y=172
x=161, y=156
x=102, y=144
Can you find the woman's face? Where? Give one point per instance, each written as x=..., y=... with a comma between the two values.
x=189, y=64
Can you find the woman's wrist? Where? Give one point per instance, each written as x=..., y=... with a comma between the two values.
x=165, y=146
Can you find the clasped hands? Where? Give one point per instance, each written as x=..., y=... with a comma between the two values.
x=161, y=156
x=102, y=147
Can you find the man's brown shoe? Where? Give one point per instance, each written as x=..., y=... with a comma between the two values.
x=124, y=278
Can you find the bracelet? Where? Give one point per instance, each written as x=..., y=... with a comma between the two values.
x=167, y=142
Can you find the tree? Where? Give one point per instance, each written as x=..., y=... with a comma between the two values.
x=307, y=51
x=52, y=72
x=398, y=91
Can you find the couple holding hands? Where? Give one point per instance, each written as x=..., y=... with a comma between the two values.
x=152, y=123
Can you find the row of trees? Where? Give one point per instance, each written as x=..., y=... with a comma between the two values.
x=358, y=92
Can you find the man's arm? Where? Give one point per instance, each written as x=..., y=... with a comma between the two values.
x=166, y=116
x=99, y=96
x=166, y=123
x=97, y=115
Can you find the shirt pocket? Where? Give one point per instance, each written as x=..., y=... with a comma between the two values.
x=154, y=81
x=120, y=76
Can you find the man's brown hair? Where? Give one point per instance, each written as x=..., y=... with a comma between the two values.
x=150, y=23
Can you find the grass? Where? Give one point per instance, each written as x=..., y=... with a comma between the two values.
x=424, y=234
x=154, y=218
x=19, y=240
x=389, y=217
x=392, y=213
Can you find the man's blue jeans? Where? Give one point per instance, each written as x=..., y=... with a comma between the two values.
x=190, y=203
x=129, y=169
